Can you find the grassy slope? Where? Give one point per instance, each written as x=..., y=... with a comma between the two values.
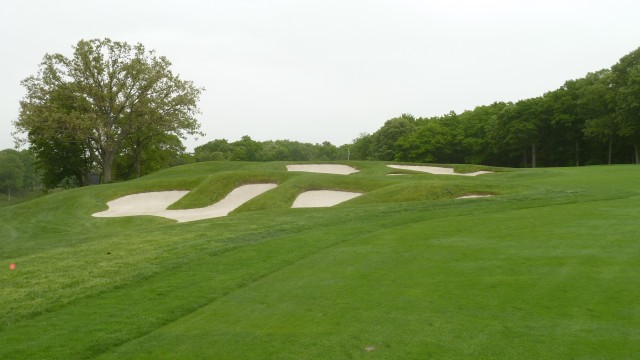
x=547, y=270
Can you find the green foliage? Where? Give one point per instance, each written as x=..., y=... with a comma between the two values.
x=19, y=177
x=247, y=149
x=12, y=172
x=160, y=152
x=385, y=140
x=626, y=79
x=109, y=97
x=477, y=135
x=31, y=175
x=62, y=160
x=428, y=143
x=215, y=150
x=362, y=147
x=591, y=120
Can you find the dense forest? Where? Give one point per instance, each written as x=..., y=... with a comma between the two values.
x=591, y=120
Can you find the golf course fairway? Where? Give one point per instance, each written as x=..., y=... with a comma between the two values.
x=547, y=267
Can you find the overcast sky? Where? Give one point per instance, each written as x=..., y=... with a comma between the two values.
x=328, y=70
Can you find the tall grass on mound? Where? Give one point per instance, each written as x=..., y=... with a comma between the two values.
x=545, y=270
x=216, y=186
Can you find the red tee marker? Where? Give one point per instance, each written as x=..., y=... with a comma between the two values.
x=12, y=266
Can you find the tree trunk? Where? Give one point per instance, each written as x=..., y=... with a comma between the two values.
x=85, y=175
x=80, y=179
x=533, y=155
x=526, y=164
x=635, y=149
x=577, y=153
x=610, y=148
x=107, y=164
x=137, y=153
x=137, y=167
x=136, y=163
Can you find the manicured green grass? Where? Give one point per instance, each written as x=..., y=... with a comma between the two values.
x=548, y=268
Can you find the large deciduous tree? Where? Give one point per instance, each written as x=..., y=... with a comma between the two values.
x=385, y=139
x=107, y=96
x=429, y=143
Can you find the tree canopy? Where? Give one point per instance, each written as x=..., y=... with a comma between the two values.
x=591, y=120
x=247, y=149
x=109, y=98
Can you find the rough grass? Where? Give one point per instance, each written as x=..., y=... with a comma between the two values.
x=547, y=269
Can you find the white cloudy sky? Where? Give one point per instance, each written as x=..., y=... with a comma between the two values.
x=330, y=69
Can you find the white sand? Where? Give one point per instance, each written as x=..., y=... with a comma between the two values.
x=322, y=198
x=324, y=169
x=473, y=196
x=436, y=170
x=149, y=203
x=156, y=203
x=231, y=202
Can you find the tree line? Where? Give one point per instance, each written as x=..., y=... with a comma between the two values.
x=247, y=149
x=18, y=172
x=591, y=120
x=114, y=111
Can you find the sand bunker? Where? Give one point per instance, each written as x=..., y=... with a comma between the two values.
x=473, y=196
x=156, y=203
x=322, y=198
x=324, y=169
x=436, y=170
x=141, y=204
